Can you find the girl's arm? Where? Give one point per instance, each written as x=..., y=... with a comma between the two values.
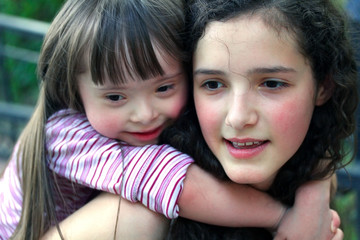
x=153, y=175
x=207, y=199
x=311, y=216
x=98, y=219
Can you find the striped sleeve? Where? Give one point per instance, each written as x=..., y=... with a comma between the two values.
x=159, y=180
x=152, y=174
x=10, y=197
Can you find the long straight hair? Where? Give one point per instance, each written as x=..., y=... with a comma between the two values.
x=119, y=36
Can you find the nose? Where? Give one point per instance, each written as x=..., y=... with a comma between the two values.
x=241, y=111
x=144, y=112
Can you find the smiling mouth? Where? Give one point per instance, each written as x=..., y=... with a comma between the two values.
x=246, y=145
x=149, y=132
x=147, y=136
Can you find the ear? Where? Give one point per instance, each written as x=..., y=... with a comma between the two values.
x=324, y=92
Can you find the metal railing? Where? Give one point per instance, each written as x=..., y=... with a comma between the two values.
x=23, y=27
x=13, y=117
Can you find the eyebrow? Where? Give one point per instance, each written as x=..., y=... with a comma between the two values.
x=261, y=70
x=276, y=69
x=208, y=72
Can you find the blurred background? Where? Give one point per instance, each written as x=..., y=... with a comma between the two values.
x=23, y=24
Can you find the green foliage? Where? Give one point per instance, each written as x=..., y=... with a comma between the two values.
x=21, y=76
x=23, y=82
x=345, y=205
x=43, y=10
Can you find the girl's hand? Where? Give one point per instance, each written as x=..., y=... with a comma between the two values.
x=294, y=226
x=338, y=233
x=311, y=218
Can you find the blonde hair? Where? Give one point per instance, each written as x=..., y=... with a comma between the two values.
x=119, y=36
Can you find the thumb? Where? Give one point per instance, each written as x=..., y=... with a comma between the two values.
x=335, y=223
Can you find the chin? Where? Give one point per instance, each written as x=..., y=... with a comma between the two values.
x=240, y=178
x=246, y=177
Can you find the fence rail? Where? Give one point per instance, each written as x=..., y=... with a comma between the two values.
x=13, y=117
x=23, y=27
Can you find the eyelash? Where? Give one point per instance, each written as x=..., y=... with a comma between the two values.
x=168, y=87
x=277, y=82
x=166, y=90
x=267, y=84
x=118, y=97
x=161, y=90
x=206, y=85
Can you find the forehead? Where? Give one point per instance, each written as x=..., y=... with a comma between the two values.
x=167, y=62
x=247, y=26
x=234, y=42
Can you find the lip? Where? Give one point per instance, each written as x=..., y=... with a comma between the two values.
x=147, y=136
x=245, y=148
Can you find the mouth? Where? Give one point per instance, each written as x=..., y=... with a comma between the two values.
x=247, y=148
x=148, y=135
x=246, y=145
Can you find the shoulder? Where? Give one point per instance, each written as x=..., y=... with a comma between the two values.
x=67, y=114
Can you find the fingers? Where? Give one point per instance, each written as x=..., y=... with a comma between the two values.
x=335, y=223
x=339, y=235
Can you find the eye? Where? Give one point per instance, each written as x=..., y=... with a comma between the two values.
x=274, y=84
x=165, y=88
x=114, y=97
x=213, y=85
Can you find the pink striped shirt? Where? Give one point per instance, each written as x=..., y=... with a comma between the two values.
x=84, y=160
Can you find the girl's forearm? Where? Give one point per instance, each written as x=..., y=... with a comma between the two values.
x=316, y=192
x=210, y=200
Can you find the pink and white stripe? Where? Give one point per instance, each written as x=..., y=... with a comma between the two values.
x=85, y=160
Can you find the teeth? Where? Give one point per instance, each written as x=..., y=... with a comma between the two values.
x=245, y=144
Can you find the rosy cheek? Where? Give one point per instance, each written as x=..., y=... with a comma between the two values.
x=283, y=116
x=206, y=117
x=203, y=120
x=292, y=119
x=101, y=127
x=176, y=108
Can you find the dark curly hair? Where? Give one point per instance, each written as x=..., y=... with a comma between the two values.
x=320, y=29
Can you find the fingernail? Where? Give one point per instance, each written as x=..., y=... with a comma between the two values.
x=333, y=228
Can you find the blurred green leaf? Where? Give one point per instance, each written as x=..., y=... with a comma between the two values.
x=22, y=78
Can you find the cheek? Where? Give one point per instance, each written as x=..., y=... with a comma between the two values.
x=209, y=118
x=108, y=126
x=175, y=107
x=292, y=119
x=206, y=117
x=284, y=116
